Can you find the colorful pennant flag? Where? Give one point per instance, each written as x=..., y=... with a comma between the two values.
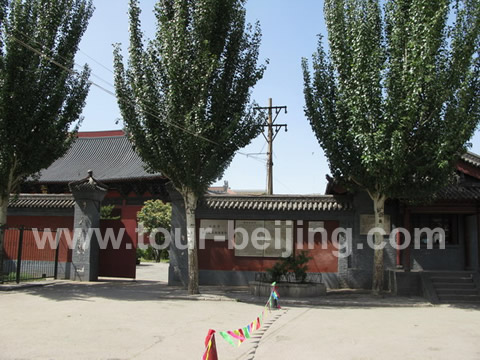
x=246, y=331
x=210, y=347
x=237, y=337
x=227, y=337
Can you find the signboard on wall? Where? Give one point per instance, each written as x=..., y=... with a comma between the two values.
x=261, y=238
x=367, y=222
x=214, y=229
x=245, y=230
x=315, y=226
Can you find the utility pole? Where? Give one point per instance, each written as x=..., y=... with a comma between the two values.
x=270, y=137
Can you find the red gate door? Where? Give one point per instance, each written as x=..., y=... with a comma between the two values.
x=117, y=256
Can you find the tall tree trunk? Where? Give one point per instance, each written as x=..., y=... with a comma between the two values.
x=378, y=267
x=190, y=206
x=3, y=222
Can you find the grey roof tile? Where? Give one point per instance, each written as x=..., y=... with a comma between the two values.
x=111, y=158
x=45, y=201
x=277, y=202
x=459, y=192
x=471, y=158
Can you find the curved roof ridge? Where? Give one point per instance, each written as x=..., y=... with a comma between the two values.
x=112, y=158
x=471, y=158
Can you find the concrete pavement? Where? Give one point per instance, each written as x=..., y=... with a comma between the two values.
x=122, y=319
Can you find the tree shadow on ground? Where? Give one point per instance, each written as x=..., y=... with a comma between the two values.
x=123, y=290
x=150, y=287
x=149, y=290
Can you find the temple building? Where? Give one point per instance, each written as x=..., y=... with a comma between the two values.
x=331, y=228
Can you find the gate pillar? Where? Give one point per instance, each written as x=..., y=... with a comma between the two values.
x=88, y=194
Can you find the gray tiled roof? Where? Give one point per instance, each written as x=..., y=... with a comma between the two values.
x=471, y=158
x=111, y=158
x=277, y=202
x=47, y=201
x=459, y=192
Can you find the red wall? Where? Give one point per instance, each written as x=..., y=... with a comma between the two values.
x=115, y=263
x=323, y=258
x=30, y=251
x=217, y=255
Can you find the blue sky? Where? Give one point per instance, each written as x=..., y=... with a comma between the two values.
x=289, y=33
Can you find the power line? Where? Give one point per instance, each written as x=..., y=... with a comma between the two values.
x=43, y=47
x=97, y=62
x=74, y=72
x=285, y=186
x=279, y=182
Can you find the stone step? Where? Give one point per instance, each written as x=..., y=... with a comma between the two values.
x=450, y=280
x=442, y=291
x=459, y=298
x=450, y=274
x=452, y=286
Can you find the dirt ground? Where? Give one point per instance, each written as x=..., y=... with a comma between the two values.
x=120, y=319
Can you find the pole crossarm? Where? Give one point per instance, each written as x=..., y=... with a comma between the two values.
x=273, y=130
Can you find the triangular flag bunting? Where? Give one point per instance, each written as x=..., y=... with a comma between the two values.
x=228, y=338
x=246, y=331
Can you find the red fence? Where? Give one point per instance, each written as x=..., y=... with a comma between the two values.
x=34, y=253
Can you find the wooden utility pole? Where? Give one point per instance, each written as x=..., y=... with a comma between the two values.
x=270, y=149
x=270, y=137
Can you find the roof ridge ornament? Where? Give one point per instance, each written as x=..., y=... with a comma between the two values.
x=87, y=183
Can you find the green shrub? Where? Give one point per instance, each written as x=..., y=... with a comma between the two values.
x=277, y=271
x=292, y=264
x=140, y=253
x=106, y=213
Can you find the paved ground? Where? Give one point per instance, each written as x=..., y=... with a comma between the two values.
x=147, y=320
x=153, y=271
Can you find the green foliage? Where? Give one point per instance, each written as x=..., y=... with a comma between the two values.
x=39, y=101
x=140, y=253
x=155, y=214
x=396, y=99
x=106, y=213
x=277, y=271
x=292, y=264
x=185, y=95
x=298, y=265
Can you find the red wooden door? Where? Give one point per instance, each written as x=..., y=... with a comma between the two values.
x=118, y=258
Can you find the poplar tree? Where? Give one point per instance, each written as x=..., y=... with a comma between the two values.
x=41, y=97
x=185, y=95
x=396, y=98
